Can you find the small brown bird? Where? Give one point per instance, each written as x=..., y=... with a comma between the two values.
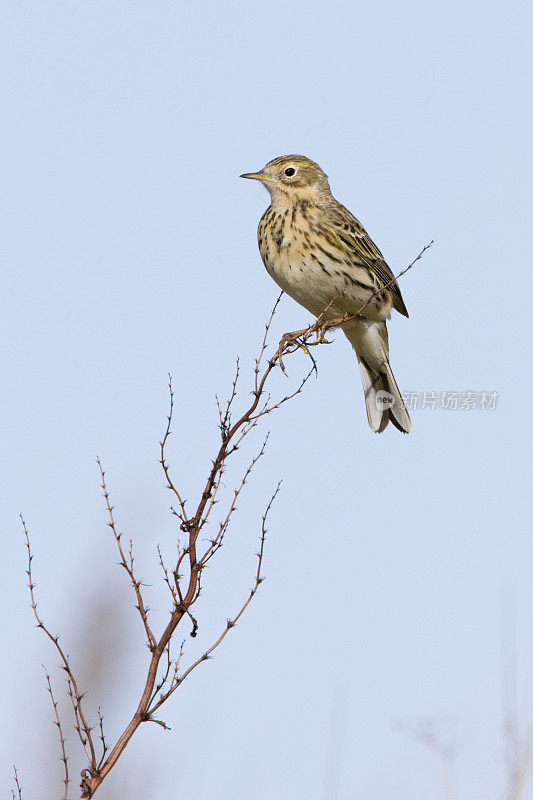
x=321, y=256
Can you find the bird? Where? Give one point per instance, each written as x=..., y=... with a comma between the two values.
x=320, y=255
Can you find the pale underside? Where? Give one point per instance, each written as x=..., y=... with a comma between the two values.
x=307, y=261
x=326, y=295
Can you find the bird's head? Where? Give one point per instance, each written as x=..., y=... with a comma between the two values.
x=293, y=178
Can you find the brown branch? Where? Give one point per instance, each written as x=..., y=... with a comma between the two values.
x=64, y=757
x=17, y=785
x=231, y=623
x=163, y=673
x=216, y=543
x=225, y=420
x=262, y=350
x=79, y=726
x=169, y=666
x=105, y=747
x=192, y=525
x=83, y=728
x=127, y=565
x=162, y=443
x=268, y=409
x=166, y=578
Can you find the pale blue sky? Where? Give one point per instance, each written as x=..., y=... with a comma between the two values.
x=128, y=251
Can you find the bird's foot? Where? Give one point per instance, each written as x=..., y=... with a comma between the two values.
x=286, y=341
x=321, y=335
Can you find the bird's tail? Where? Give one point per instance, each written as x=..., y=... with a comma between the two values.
x=383, y=398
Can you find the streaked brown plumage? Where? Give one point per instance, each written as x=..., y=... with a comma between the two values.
x=321, y=256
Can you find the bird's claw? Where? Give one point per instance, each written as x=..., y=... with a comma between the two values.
x=291, y=339
x=320, y=337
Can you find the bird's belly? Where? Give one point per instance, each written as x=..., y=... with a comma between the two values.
x=325, y=287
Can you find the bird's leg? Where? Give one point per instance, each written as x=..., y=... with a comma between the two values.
x=288, y=339
x=322, y=328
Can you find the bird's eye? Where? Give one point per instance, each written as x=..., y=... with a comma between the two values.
x=289, y=172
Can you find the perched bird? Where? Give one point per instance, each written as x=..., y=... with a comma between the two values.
x=321, y=256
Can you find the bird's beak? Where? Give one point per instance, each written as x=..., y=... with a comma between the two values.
x=257, y=176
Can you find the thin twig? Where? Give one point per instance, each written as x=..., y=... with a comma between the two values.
x=162, y=444
x=216, y=543
x=166, y=578
x=127, y=565
x=394, y=279
x=105, y=747
x=64, y=757
x=231, y=623
x=83, y=728
x=263, y=347
x=17, y=785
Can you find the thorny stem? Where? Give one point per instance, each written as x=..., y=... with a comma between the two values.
x=17, y=785
x=127, y=565
x=82, y=726
x=64, y=757
x=231, y=622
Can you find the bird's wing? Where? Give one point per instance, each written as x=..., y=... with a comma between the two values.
x=351, y=234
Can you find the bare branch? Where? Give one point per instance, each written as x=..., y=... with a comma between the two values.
x=263, y=347
x=232, y=434
x=166, y=578
x=83, y=728
x=64, y=757
x=105, y=748
x=225, y=420
x=183, y=582
x=17, y=785
x=127, y=565
x=162, y=445
x=216, y=543
x=267, y=409
x=231, y=623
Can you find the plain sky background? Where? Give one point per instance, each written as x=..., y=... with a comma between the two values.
x=128, y=250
